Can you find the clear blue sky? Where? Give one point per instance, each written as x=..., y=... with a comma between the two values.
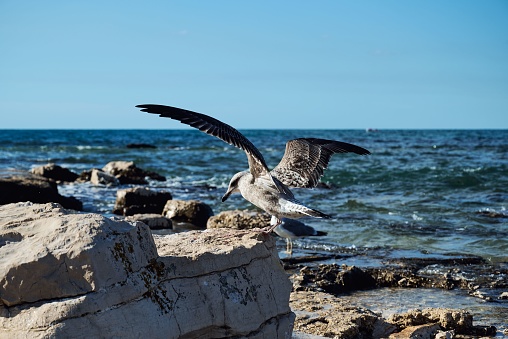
x=258, y=64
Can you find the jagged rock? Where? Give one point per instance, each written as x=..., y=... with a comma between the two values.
x=239, y=220
x=460, y=321
x=448, y=319
x=139, y=200
x=193, y=212
x=55, y=172
x=128, y=173
x=154, y=221
x=99, y=177
x=417, y=332
x=325, y=315
x=74, y=275
x=334, y=279
x=85, y=176
x=18, y=186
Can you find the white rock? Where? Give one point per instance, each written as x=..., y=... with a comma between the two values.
x=99, y=177
x=64, y=274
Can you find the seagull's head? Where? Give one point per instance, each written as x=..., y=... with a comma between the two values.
x=233, y=185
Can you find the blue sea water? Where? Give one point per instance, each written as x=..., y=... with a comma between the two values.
x=420, y=191
x=439, y=191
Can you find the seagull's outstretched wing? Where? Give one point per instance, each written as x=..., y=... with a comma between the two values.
x=306, y=159
x=209, y=125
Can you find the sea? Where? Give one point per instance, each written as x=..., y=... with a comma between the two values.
x=420, y=191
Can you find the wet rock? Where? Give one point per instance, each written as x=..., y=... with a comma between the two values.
x=492, y=214
x=334, y=279
x=85, y=176
x=154, y=221
x=141, y=146
x=99, y=177
x=448, y=319
x=325, y=315
x=292, y=263
x=503, y=296
x=128, y=173
x=484, y=331
x=55, y=172
x=140, y=200
x=238, y=219
x=417, y=332
x=69, y=275
x=471, y=273
x=480, y=278
x=445, y=273
x=481, y=294
x=192, y=212
x=19, y=186
x=445, y=334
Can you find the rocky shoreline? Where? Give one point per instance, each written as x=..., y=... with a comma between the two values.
x=319, y=296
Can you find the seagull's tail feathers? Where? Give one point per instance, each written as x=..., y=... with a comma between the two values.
x=316, y=214
x=295, y=209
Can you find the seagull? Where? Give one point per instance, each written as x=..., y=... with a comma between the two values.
x=302, y=165
x=293, y=229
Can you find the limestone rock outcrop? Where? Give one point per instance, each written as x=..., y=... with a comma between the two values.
x=140, y=200
x=192, y=212
x=154, y=221
x=73, y=275
x=239, y=220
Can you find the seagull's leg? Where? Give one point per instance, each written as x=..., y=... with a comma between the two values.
x=289, y=247
x=274, y=222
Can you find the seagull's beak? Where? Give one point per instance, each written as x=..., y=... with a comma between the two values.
x=227, y=194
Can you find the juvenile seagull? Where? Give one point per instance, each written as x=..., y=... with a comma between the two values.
x=302, y=165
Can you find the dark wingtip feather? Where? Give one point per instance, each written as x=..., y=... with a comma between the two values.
x=150, y=108
x=364, y=152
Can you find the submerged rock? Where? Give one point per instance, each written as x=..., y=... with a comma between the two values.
x=141, y=145
x=192, y=212
x=20, y=186
x=239, y=220
x=65, y=274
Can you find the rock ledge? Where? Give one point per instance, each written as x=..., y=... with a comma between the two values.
x=67, y=274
